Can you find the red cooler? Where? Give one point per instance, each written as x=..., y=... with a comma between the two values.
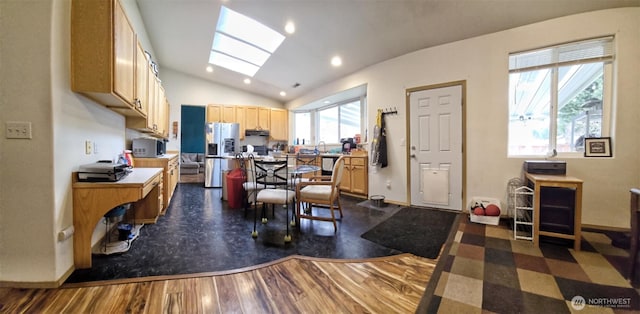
x=235, y=178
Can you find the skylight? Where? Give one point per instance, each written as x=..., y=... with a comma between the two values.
x=242, y=44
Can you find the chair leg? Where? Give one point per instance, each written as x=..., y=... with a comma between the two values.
x=340, y=206
x=254, y=234
x=287, y=237
x=333, y=218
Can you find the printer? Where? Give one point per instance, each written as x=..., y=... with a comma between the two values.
x=103, y=171
x=552, y=167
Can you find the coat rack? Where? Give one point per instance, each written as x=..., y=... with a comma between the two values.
x=387, y=111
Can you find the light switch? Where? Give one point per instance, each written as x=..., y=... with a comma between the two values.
x=18, y=129
x=88, y=147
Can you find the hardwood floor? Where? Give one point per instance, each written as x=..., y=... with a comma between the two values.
x=297, y=284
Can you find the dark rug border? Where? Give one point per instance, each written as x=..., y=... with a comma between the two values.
x=429, y=291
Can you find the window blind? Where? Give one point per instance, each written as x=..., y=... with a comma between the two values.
x=592, y=50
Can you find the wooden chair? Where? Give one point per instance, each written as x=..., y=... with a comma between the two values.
x=273, y=176
x=635, y=232
x=323, y=190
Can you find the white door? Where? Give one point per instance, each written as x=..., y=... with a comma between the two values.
x=436, y=147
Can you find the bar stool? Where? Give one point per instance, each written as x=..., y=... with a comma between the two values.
x=635, y=232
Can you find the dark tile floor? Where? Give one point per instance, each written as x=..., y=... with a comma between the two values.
x=199, y=233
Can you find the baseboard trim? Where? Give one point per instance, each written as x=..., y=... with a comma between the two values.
x=38, y=284
x=604, y=228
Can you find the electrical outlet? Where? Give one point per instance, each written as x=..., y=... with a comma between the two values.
x=18, y=129
x=88, y=147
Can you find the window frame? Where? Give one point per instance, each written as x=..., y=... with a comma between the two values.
x=315, y=118
x=607, y=92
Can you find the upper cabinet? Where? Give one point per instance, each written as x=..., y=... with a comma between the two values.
x=220, y=113
x=257, y=118
x=279, y=125
x=252, y=118
x=109, y=65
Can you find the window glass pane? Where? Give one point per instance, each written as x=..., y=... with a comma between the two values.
x=328, y=126
x=350, y=119
x=529, y=112
x=303, y=126
x=579, y=105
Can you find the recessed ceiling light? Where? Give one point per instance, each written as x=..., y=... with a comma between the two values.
x=327, y=102
x=282, y=93
x=247, y=81
x=209, y=69
x=336, y=61
x=290, y=28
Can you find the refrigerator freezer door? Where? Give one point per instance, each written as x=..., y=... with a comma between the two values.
x=212, y=172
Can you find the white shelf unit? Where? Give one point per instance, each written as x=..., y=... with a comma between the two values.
x=523, y=213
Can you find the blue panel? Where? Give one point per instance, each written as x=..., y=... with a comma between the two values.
x=192, y=130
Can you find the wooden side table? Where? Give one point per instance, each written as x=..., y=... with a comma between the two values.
x=541, y=181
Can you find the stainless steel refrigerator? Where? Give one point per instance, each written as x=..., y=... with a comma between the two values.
x=222, y=143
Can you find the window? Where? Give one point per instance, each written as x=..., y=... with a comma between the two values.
x=331, y=122
x=302, y=126
x=558, y=96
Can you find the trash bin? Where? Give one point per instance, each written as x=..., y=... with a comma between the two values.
x=235, y=178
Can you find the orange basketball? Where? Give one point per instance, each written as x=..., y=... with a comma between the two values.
x=492, y=210
x=478, y=211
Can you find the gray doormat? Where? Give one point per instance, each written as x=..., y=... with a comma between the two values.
x=419, y=231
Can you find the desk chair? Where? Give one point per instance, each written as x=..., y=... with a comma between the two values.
x=273, y=176
x=635, y=232
x=323, y=190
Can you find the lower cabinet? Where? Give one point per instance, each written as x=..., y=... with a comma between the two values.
x=355, y=178
x=171, y=175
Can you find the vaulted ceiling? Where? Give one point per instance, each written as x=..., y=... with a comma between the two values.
x=362, y=32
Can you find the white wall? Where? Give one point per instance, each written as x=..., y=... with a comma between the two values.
x=35, y=190
x=483, y=63
x=182, y=89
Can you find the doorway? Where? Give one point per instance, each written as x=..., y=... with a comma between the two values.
x=435, y=150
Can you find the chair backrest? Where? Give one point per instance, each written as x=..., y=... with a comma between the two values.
x=241, y=164
x=271, y=172
x=338, y=169
x=306, y=159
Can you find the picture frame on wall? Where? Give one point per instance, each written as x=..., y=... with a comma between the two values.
x=597, y=147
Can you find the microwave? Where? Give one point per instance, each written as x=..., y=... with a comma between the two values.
x=148, y=147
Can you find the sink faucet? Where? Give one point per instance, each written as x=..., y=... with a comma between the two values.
x=324, y=146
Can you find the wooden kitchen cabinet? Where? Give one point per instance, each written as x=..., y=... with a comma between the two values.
x=103, y=53
x=355, y=178
x=214, y=113
x=257, y=118
x=170, y=164
x=279, y=125
x=240, y=118
x=220, y=113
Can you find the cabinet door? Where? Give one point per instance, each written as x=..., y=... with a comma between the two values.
x=162, y=116
x=214, y=113
x=124, y=56
x=251, y=118
x=345, y=184
x=240, y=118
x=264, y=115
x=229, y=114
x=279, y=125
x=142, y=81
x=152, y=116
x=359, y=180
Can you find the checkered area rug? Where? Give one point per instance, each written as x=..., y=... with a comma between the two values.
x=483, y=270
